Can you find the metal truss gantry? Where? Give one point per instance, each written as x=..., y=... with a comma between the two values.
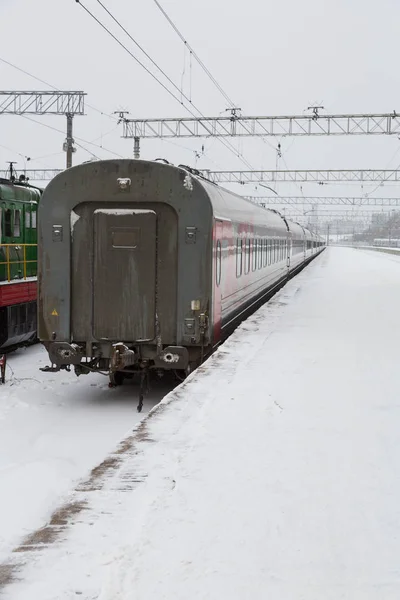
x=261, y=126
x=323, y=200
x=42, y=103
x=35, y=174
x=46, y=103
x=335, y=214
x=321, y=177
x=244, y=177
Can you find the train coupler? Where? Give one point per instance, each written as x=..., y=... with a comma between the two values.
x=122, y=357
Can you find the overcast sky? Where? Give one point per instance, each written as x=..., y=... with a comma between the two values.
x=271, y=58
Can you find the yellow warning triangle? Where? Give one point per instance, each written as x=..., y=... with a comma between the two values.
x=54, y=313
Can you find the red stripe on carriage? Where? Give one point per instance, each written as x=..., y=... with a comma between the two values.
x=18, y=292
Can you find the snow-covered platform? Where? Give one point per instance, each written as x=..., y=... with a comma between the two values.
x=271, y=473
x=382, y=249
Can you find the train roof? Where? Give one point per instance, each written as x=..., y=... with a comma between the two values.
x=275, y=218
x=224, y=203
x=11, y=191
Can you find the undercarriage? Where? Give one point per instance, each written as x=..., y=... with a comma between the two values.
x=119, y=361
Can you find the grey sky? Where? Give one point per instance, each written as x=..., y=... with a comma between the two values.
x=270, y=57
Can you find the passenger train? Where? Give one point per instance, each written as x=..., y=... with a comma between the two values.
x=18, y=262
x=148, y=266
x=386, y=242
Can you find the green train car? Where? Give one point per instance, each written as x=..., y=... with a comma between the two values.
x=18, y=262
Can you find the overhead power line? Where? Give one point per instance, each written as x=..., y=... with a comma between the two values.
x=195, y=55
x=127, y=50
x=189, y=100
x=189, y=108
x=76, y=138
x=235, y=111
x=147, y=55
x=7, y=62
x=54, y=128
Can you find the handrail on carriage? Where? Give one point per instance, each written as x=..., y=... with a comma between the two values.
x=22, y=261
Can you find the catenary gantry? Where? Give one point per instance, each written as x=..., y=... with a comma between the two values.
x=317, y=176
x=324, y=200
x=68, y=103
x=262, y=126
x=266, y=176
x=42, y=103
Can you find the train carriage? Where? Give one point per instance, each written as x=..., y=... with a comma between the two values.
x=144, y=265
x=18, y=262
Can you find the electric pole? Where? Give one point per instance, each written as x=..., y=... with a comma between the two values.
x=68, y=145
x=68, y=103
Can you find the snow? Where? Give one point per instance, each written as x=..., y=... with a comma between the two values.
x=122, y=211
x=14, y=281
x=74, y=219
x=272, y=472
x=54, y=427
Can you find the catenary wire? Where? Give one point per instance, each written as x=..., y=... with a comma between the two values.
x=7, y=62
x=226, y=144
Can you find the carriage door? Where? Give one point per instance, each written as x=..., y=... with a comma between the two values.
x=124, y=281
x=288, y=252
x=218, y=239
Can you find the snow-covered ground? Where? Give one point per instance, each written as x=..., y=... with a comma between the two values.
x=54, y=427
x=272, y=472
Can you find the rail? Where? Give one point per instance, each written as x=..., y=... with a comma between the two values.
x=16, y=260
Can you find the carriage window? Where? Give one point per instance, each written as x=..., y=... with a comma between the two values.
x=7, y=223
x=239, y=251
x=260, y=253
x=218, y=265
x=33, y=219
x=128, y=238
x=254, y=260
x=17, y=223
x=27, y=219
x=247, y=257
